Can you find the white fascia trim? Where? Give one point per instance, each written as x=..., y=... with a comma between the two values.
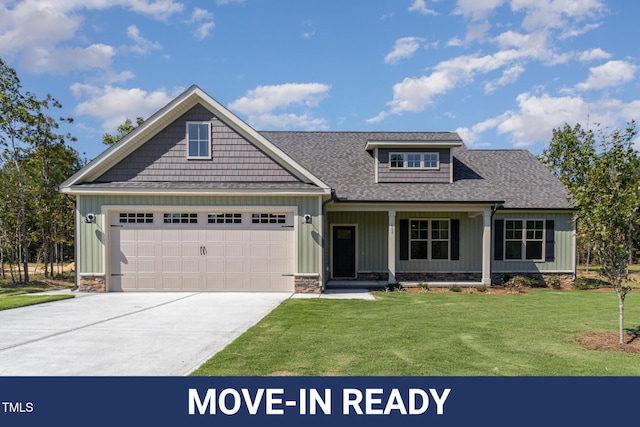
x=75, y=190
x=412, y=144
x=403, y=207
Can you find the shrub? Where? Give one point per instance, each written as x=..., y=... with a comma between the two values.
x=394, y=287
x=424, y=287
x=518, y=284
x=554, y=282
x=482, y=288
x=586, y=283
x=454, y=288
x=504, y=279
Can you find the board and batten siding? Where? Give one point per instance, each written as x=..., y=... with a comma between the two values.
x=372, y=243
x=564, y=235
x=470, y=245
x=371, y=238
x=93, y=236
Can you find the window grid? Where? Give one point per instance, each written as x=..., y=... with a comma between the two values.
x=429, y=239
x=136, y=218
x=414, y=160
x=198, y=140
x=180, y=218
x=268, y=218
x=224, y=218
x=524, y=240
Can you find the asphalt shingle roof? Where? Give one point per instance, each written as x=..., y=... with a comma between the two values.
x=339, y=159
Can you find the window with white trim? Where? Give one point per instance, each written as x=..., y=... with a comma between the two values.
x=180, y=218
x=136, y=218
x=224, y=218
x=439, y=239
x=198, y=140
x=414, y=160
x=268, y=218
x=524, y=240
x=429, y=239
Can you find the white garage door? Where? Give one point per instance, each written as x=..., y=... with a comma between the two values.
x=201, y=251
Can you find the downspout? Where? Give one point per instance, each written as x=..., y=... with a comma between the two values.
x=325, y=227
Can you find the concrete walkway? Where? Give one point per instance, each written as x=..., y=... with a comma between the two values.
x=126, y=334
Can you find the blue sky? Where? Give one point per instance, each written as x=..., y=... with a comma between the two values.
x=502, y=73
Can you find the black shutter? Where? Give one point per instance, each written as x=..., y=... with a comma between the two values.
x=498, y=240
x=550, y=242
x=404, y=239
x=455, y=239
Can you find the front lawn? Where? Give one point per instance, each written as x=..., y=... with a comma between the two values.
x=433, y=334
x=14, y=295
x=16, y=301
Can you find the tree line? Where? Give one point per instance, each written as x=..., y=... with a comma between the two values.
x=36, y=220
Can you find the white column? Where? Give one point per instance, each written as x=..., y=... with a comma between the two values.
x=486, y=248
x=391, y=247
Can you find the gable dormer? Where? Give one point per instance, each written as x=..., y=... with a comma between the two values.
x=413, y=161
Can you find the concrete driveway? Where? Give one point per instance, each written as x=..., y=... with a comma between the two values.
x=126, y=334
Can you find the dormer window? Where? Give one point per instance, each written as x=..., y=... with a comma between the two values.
x=414, y=161
x=198, y=140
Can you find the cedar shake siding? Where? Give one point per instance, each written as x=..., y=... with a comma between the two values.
x=164, y=157
x=440, y=175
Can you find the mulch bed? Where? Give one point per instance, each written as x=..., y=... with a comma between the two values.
x=609, y=341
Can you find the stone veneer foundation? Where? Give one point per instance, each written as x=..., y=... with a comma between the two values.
x=92, y=284
x=308, y=284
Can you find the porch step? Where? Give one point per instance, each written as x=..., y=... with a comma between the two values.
x=356, y=284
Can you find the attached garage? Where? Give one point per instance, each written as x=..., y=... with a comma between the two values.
x=187, y=250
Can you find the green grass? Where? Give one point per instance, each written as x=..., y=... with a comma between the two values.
x=16, y=301
x=14, y=295
x=433, y=334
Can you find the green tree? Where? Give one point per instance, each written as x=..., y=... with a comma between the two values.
x=604, y=181
x=123, y=130
x=34, y=160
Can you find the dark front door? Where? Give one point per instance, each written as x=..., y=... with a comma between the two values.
x=344, y=251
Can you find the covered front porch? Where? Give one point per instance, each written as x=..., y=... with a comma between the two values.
x=373, y=245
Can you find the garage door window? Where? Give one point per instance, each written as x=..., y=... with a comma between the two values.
x=224, y=218
x=181, y=218
x=268, y=218
x=136, y=218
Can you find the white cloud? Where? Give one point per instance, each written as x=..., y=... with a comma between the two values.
x=538, y=115
x=477, y=9
x=204, y=23
x=260, y=104
x=594, y=54
x=509, y=76
x=143, y=46
x=421, y=7
x=404, y=48
x=225, y=2
x=113, y=105
x=36, y=31
x=610, y=74
x=65, y=59
x=555, y=13
x=415, y=94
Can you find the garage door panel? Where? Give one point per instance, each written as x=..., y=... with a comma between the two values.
x=201, y=257
x=234, y=250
